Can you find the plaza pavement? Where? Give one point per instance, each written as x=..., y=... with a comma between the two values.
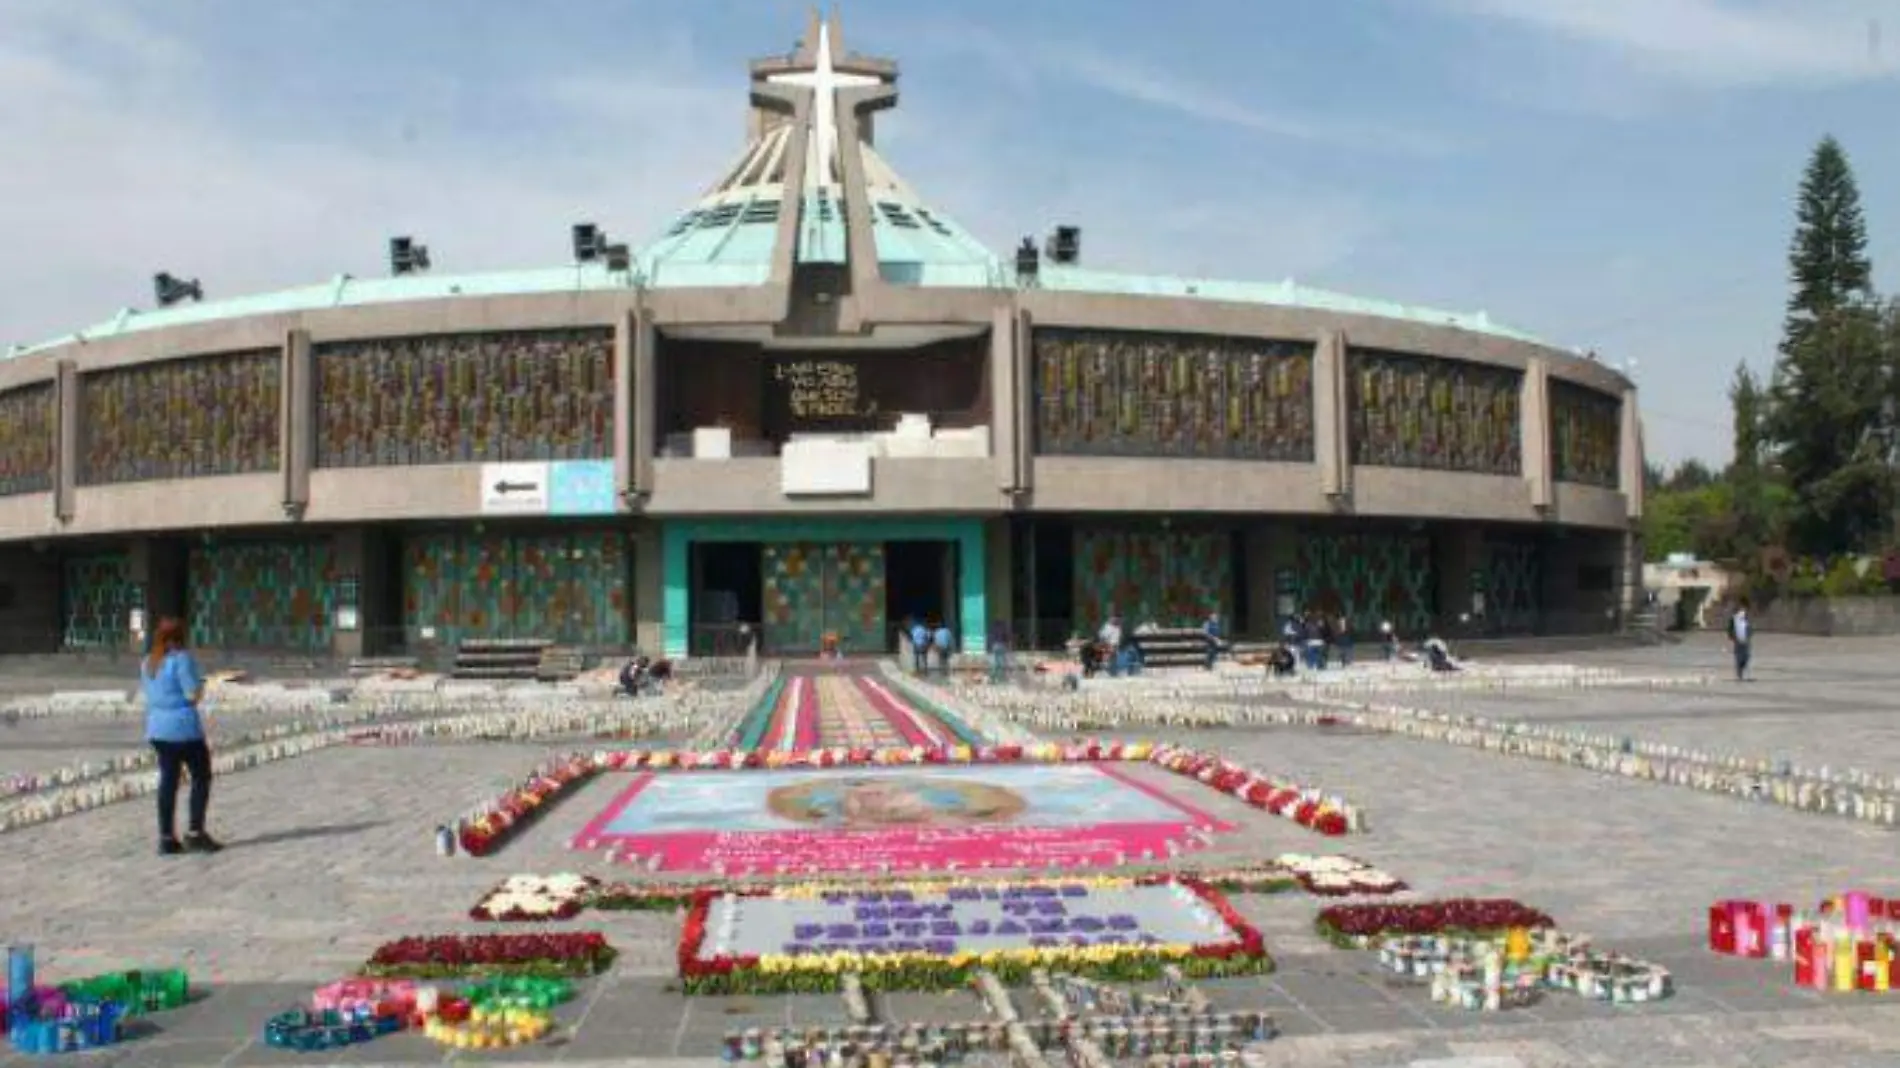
x=332, y=854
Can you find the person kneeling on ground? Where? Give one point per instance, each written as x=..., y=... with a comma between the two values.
x=1438, y=654
x=1282, y=663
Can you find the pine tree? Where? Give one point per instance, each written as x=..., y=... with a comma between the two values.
x=1826, y=422
x=1827, y=261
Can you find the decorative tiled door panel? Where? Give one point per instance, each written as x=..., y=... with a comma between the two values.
x=260, y=595
x=566, y=587
x=1513, y=580
x=1172, y=578
x=1368, y=577
x=812, y=588
x=98, y=597
x=854, y=595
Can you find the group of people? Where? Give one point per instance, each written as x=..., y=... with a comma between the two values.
x=931, y=645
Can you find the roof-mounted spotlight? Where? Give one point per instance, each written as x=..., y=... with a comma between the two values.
x=407, y=257
x=618, y=258
x=589, y=242
x=1065, y=245
x=169, y=289
x=1028, y=260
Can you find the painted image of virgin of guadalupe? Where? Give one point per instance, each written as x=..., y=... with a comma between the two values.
x=864, y=802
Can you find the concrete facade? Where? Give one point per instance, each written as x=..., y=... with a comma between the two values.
x=813, y=303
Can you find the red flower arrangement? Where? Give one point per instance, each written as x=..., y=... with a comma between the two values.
x=1354, y=925
x=521, y=805
x=443, y=956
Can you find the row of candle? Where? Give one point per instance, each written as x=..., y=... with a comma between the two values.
x=1852, y=944
x=1853, y=794
x=1725, y=761
x=969, y=706
x=1856, y=796
x=622, y=718
x=1492, y=972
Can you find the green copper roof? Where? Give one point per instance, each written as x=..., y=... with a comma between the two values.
x=730, y=244
x=1285, y=294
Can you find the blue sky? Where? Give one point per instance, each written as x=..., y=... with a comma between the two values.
x=1612, y=174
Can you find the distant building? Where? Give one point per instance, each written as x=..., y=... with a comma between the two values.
x=1687, y=590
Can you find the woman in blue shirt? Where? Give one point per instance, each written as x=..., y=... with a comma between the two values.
x=173, y=687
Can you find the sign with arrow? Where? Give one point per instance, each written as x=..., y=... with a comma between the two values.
x=515, y=489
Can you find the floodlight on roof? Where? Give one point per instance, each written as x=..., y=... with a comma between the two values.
x=1028, y=260
x=618, y=258
x=407, y=257
x=1065, y=245
x=170, y=289
x=589, y=242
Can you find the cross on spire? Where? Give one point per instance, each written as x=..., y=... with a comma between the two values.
x=824, y=79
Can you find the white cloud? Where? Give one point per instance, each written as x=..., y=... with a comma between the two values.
x=1195, y=101
x=131, y=171
x=1722, y=43
x=128, y=162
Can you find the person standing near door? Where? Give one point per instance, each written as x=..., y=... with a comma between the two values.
x=919, y=646
x=941, y=640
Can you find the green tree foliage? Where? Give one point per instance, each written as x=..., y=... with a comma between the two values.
x=1827, y=423
x=1828, y=265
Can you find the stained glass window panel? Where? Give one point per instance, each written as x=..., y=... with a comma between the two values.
x=26, y=440
x=1409, y=410
x=465, y=398
x=1107, y=393
x=1586, y=434
x=190, y=418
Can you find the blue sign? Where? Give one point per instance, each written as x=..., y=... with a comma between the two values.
x=581, y=487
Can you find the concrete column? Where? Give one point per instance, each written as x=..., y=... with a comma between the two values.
x=358, y=552
x=297, y=439
x=1005, y=381
x=66, y=447
x=1630, y=459
x=635, y=405
x=652, y=626
x=675, y=589
x=1271, y=546
x=1534, y=430
x=867, y=277
x=1332, y=429
x=1025, y=402
x=973, y=586
x=1000, y=552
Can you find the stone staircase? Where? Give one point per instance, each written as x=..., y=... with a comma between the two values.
x=500, y=658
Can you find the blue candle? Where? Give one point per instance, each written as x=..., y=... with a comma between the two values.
x=19, y=981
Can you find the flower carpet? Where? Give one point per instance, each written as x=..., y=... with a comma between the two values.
x=938, y=936
x=487, y=829
x=895, y=819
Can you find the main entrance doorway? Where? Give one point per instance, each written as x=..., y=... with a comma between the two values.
x=815, y=589
x=856, y=580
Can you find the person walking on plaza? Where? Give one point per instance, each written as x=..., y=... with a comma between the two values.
x=1740, y=634
x=174, y=687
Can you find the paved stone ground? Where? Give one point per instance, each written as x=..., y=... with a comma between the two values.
x=332, y=854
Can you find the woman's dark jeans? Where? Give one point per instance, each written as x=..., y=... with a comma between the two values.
x=194, y=758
